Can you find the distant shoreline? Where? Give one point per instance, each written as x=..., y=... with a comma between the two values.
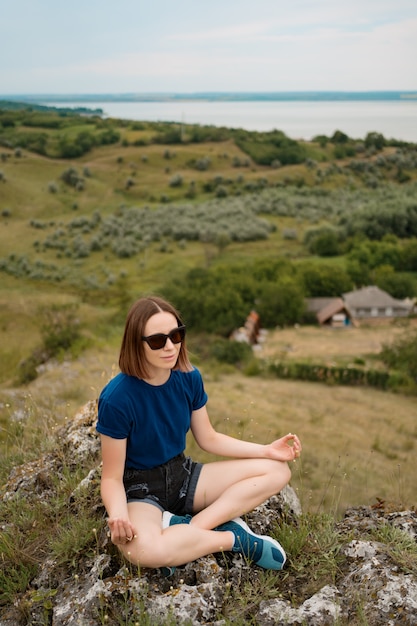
x=284, y=96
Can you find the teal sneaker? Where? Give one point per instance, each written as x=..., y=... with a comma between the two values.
x=169, y=519
x=261, y=549
x=167, y=572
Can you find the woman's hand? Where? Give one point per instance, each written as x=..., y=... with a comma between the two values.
x=288, y=448
x=121, y=530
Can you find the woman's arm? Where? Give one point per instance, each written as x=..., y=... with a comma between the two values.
x=113, y=452
x=286, y=448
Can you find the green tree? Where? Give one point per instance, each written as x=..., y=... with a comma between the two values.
x=323, y=241
x=408, y=258
x=324, y=280
x=398, y=285
x=280, y=303
x=375, y=140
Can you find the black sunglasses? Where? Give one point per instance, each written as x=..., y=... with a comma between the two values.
x=158, y=341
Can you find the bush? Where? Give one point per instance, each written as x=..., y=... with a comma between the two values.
x=323, y=241
x=402, y=355
x=231, y=352
x=176, y=181
x=60, y=329
x=71, y=177
x=330, y=374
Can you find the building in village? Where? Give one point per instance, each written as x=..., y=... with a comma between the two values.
x=366, y=305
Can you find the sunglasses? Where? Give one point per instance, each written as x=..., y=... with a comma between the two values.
x=158, y=341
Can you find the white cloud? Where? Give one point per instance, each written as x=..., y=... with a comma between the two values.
x=235, y=45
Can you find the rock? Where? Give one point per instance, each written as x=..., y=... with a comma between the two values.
x=105, y=590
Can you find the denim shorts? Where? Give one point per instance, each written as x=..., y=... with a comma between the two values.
x=170, y=487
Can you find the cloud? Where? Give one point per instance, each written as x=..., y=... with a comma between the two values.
x=242, y=45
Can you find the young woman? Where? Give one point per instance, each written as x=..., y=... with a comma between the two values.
x=163, y=508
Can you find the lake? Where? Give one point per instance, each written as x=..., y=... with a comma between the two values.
x=298, y=120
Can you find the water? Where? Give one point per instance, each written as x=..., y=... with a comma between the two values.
x=298, y=120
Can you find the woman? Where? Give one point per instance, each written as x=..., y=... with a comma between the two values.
x=163, y=508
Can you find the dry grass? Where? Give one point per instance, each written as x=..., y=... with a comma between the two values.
x=330, y=345
x=359, y=443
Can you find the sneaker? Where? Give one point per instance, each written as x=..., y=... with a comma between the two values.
x=167, y=571
x=261, y=549
x=169, y=519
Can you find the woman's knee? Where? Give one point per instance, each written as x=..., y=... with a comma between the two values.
x=280, y=474
x=145, y=552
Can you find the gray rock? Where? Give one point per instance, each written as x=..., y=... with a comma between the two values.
x=105, y=592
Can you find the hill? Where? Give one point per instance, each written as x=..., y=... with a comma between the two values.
x=95, y=212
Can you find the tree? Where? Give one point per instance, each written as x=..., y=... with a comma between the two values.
x=325, y=280
x=323, y=241
x=339, y=137
x=280, y=303
x=375, y=140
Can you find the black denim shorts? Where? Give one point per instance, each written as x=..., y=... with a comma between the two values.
x=170, y=487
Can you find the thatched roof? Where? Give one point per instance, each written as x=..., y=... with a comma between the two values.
x=372, y=297
x=335, y=306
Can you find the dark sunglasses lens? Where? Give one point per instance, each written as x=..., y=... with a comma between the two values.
x=177, y=335
x=157, y=342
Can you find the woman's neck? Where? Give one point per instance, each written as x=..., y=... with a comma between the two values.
x=158, y=377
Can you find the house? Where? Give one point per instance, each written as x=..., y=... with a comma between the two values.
x=372, y=303
x=329, y=311
x=334, y=314
x=369, y=304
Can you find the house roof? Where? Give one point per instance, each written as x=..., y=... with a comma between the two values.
x=335, y=306
x=372, y=296
x=314, y=305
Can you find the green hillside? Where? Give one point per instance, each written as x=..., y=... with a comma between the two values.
x=95, y=212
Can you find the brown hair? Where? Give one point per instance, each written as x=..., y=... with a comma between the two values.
x=132, y=359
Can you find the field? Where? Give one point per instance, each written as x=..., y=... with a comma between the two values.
x=359, y=444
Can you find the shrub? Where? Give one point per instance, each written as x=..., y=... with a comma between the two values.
x=402, y=354
x=52, y=187
x=60, y=329
x=71, y=177
x=323, y=241
x=176, y=181
x=231, y=352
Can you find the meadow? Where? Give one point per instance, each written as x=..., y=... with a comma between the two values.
x=83, y=233
x=94, y=213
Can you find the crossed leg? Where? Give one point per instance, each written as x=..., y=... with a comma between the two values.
x=225, y=489
x=228, y=489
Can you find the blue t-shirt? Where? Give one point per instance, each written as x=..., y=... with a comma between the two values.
x=154, y=419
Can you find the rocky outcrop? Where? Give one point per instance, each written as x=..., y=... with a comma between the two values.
x=370, y=588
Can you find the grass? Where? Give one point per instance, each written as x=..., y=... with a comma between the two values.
x=352, y=442
x=340, y=467
x=359, y=444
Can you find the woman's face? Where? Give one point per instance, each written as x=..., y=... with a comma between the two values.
x=165, y=358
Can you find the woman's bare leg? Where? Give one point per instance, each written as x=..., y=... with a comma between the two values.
x=154, y=547
x=228, y=489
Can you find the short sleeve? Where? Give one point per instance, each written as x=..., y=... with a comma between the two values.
x=112, y=422
x=200, y=396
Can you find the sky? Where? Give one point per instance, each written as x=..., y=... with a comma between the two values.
x=185, y=46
